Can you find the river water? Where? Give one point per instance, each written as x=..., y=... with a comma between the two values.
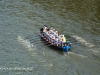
x=21, y=47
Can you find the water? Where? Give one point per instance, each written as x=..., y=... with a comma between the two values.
x=21, y=47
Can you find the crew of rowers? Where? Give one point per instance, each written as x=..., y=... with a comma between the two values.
x=53, y=36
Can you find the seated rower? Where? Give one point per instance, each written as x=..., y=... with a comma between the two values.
x=56, y=34
x=42, y=30
x=51, y=36
x=47, y=33
x=63, y=40
x=56, y=41
x=45, y=28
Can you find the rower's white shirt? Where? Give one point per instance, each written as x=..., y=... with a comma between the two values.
x=47, y=33
x=44, y=30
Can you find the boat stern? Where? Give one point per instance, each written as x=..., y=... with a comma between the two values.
x=67, y=48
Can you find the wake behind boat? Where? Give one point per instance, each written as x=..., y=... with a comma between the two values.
x=54, y=38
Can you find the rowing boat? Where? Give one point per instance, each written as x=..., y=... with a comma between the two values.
x=44, y=36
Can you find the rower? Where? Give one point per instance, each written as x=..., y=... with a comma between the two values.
x=63, y=40
x=45, y=28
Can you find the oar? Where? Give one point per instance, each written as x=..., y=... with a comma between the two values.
x=77, y=43
x=31, y=36
x=28, y=37
x=38, y=41
x=49, y=44
x=34, y=39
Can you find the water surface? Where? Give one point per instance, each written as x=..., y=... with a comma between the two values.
x=20, y=45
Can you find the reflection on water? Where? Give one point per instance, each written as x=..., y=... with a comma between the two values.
x=78, y=20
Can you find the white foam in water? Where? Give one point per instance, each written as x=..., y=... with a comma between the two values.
x=48, y=65
x=83, y=41
x=26, y=43
x=96, y=51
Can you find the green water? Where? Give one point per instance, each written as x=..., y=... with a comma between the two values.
x=21, y=47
